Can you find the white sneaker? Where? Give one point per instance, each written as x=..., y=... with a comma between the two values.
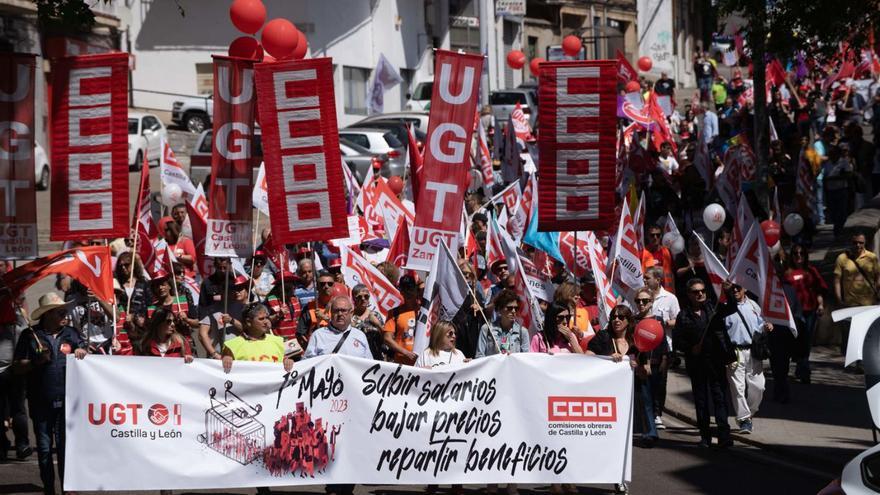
x=658, y=423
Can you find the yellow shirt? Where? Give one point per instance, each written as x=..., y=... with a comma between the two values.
x=269, y=349
x=855, y=289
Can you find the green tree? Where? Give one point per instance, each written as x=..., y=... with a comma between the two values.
x=781, y=27
x=74, y=15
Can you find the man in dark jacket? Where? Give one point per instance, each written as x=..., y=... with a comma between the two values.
x=699, y=333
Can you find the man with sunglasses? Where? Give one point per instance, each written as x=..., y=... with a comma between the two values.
x=856, y=279
x=656, y=254
x=746, y=376
x=315, y=314
x=700, y=334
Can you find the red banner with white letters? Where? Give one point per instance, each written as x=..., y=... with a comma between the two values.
x=18, y=210
x=230, y=217
x=90, y=147
x=577, y=118
x=301, y=151
x=446, y=170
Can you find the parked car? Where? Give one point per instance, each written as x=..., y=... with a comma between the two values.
x=41, y=168
x=504, y=101
x=420, y=98
x=360, y=160
x=862, y=474
x=381, y=141
x=419, y=120
x=145, y=135
x=194, y=113
x=399, y=128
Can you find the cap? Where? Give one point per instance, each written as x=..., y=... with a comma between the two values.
x=160, y=275
x=240, y=280
x=286, y=275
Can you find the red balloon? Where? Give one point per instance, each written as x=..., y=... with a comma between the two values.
x=645, y=64
x=302, y=46
x=771, y=232
x=648, y=334
x=339, y=290
x=395, y=183
x=571, y=45
x=247, y=16
x=534, y=66
x=633, y=87
x=516, y=59
x=280, y=38
x=246, y=47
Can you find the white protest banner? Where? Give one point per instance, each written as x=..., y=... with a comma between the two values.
x=366, y=421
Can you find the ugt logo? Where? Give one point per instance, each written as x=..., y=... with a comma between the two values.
x=130, y=414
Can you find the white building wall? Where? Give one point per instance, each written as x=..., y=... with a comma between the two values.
x=167, y=46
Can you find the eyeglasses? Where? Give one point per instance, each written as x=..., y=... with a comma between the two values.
x=698, y=291
x=563, y=317
x=512, y=307
x=618, y=317
x=737, y=288
x=655, y=234
x=326, y=284
x=259, y=262
x=362, y=297
x=644, y=300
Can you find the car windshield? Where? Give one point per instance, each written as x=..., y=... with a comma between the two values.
x=507, y=98
x=423, y=91
x=132, y=126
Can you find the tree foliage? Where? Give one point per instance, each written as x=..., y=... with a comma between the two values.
x=74, y=15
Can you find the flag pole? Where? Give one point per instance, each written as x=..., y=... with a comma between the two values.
x=485, y=318
x=173, y=278
x=575, y=261
x=284, y=301
x=253, y=252
x=226, y=286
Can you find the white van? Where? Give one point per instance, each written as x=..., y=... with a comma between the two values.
x=420, y=99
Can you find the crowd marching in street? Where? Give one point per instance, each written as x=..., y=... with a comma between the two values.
x=694, y=212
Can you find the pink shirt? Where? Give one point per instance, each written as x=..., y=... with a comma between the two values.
x=559, y=347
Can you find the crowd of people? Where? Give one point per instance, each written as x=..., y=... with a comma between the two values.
x=296, y=305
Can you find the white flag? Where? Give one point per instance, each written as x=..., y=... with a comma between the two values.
x=171, y=172
x=385, y=77
x=260, y=197
x=717, y=272
x=445, y=292
x=626, y=252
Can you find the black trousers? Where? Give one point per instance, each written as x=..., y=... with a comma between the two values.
x=12, y=406
x=658, y=387
x=710, y=384
x=781, y=343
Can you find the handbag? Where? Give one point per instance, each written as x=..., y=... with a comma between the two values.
x=760, y=347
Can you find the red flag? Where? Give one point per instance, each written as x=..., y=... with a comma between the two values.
x=90, y=147
x=575, y=254
x=416, y=163
x=275, y=252
x=775, y=73
x=301, y=150
x=357, y=270
x=447, y=156
x=485, y=160
x=142, y=224
x=578, y=112
x=521, y=127
x=494, y=250
x=397, y=254
x=604, y=294
x=661, y=131
x=18, y=238
x=230, y=217
x=197, y=211
x=625, y=71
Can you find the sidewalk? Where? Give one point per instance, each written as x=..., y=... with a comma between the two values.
x=825, y=425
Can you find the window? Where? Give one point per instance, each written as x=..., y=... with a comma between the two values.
x=151, y=123
x=204, y=79
x=392, y=140
x=501, y=98
x=132, y=126
x=354, y=80
x=358, y=139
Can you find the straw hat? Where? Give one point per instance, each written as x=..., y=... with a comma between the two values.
x=48, y=302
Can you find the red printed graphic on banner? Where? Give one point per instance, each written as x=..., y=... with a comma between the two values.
x=232, y=159
x=301, y=150
x=582, y=409
x=90, y=147
x=18, y=213
x=578, y=107
x=447, y=156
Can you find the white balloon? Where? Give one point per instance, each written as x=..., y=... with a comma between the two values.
x=669, y=239
x=678, y=245
x=714, y=216
x=775, y=249
x=793, y=224
x=172, y=195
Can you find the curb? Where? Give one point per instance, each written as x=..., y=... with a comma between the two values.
x=792, y=454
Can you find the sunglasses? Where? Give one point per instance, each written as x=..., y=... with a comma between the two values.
x=511, y=308
x=326, y=284
x=698, y=291
x=644, y=300
x=655, y=234
x=618, y=317
x=737, y=288
x=563, y=317
x=362, y=297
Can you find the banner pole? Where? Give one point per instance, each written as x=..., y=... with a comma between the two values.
x=485, y=318
x=173, y=279
x=226, y=287
x=131, y=269
x=575, y=262
x=284, y=301
x=253, y=252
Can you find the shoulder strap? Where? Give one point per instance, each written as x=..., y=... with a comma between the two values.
x=341, y=341
x=741, y=317
x=865, y=276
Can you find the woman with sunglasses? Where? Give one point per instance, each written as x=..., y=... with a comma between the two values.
x=557, y=336
x=810, y=288
x=368, y=321
x=505, y=335
x=164, y=340
x=441, y=348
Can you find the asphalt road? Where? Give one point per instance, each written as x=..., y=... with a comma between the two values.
x=674, y=466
